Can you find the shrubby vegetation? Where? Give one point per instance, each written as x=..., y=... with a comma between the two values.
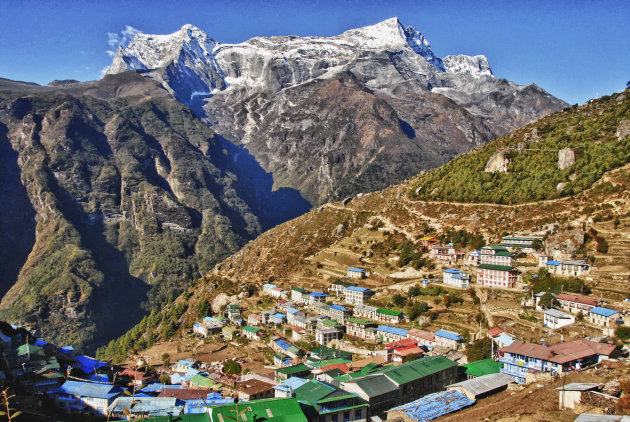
x=533, y=172
x=545, y=282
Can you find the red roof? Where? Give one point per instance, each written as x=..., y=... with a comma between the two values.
x=401, y=343
x=561, y=352
x=136, y=375
x=578, y=299
x=414, y=332
x=298, y=330
x=409, y=350
x=494, y=331
x=341, y=366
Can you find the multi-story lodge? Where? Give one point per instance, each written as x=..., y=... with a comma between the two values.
x=446, y=254
x=570, y=268
x=526, y=244
x=356, y=272
x=603, y=316
x=362, y=328
x=455, y=278
x=576, y=303
x=299, y=295
x=554, y=318
x=495, y=268
x=357, y=295
x=422, y=337
x=365, y=311
x=521, y=359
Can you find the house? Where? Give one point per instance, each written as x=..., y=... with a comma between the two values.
x=455, y=278
x=233, y=312
x=494, y=332
x=390, y=316
x=554, y=318
x=521, y=359
x=267, y=317
x=504, y=339
x=292, y=314
x=378, y=391
x=280, y=345
x=299, y=295
x=85, y=397
x=482, y=386
x=427, y=241
x=317, y=297
x=338, y=286
x=327, y=323
x=298, y=334
x=571, y=394
x=278, y=318
x=570, y=268
x=325, y=336
x=387, y=333
x=603, y=317
x=184, y=365
x=576, y=303
x=495, y=268
x=285, y=388
x=299, y=370
x=251, y=333
x=272, y=410
x=357, y=295
x=323, y=402
x=422, y=337
x=362, y=328
x=430, y=407
x=254, y=320
x=356, y=273
x=323, y=353
x=447, y=339
x=481, y=367
x=275, y=291
x=525, y=243
x=140, y=407
x=365, y=311
x=229, y=333
x=339, y=313
x=473, y=258
x=254, y=389
x=446, y=254
x=400, y=353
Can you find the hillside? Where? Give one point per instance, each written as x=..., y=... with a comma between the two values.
x=113, y=197
x=370, y=231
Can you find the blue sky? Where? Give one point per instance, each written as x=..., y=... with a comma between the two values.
x=573, y=49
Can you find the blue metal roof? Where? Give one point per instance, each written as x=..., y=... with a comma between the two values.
x=337, y=307
x=292, y=311
x=89, y=389
x=186, y=362
x=279, y=315
x=291, y=384
x=452, y=271
x=435, y=405
x=360, y=270
x=392, y=330
x=504, y=338
x=318, y=294
x=605, y=312
x=448, y=334
x=156, y=387
x=552, y=263
x=283, y=344
x=359, y=289
x=88, y=364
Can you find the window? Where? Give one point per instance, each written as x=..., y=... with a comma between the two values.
x=334, y=418
x=346, y=416
x=358, y=414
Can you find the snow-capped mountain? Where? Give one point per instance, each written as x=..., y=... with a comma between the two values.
x=280, y=97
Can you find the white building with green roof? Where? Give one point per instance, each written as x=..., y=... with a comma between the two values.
x=495, y=268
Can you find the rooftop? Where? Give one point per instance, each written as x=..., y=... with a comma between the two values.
x=388, y=312
x=434, y=405
x=89, y=389
x=485, y=383
x=359, y=289
x=578, y=299
x=270, y=410
x=482, y=367
x=448, y=334
x=417, y=369
x=605, y=312
x=392, y=330
x=557, y=314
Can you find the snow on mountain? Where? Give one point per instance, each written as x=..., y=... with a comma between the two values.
x=195, y=65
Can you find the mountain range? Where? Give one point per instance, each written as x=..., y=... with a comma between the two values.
x=117, y=193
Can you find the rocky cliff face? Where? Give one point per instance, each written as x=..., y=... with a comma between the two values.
x=271, y=95
x=109, y=206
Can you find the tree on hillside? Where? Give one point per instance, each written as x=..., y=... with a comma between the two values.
x=232, y=367
x=416, y=309
x=479, y=349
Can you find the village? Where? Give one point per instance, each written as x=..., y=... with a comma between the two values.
x=338, y=354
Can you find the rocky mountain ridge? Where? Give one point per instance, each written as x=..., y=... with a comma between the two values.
x=255, y=94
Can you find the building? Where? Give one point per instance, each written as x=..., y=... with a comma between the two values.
x=603, y=317
x=571, y=394
x=324, y=402
x=356, y=273
x=285, y=388
x=447, y=339
x=325, y=336
x=380, y=392
x=251, y=333
x=339, y=286
x=273, y=409
x=495, y=268
x=387, y=333
x=184, y=365
x=299, y=295
x=520, y=360
x=317, y=297
x=141, y=407
x=229, y=333
x=365, y=311
x=357, y=295
x=554, y=318
x=482, y=386
x=85, y=397
x=422, y=337
x=524, y=243
x=275, y=291
x=254, y=389
x=570, y=268
x=266, y=317
x=278, y=318
x=427, y=241
x=280, y=345
x=576, y=303
x=233, y=312
x=254, y=320
x=455, y=278
x=362, y=328
x=298, y=334
x=473, y=258
x=481, y=367
x=446, y=254
x=390, y=316
x=430, y=407
x=292, y=314
x=299, y=370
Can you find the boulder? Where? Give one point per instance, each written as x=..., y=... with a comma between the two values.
x=623, y=129
x=498, y=162
x=566, y=158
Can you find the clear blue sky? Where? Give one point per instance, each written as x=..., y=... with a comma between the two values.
x=573, y=49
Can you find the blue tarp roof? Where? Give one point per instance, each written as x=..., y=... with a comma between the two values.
x=99, y=378
x=448, y=334
x=435, y=405
x=88, y=365
x=283, y=344
x=89, y=389
x=359, y=289
x=392, y=330
x=41, y=343
x=598, y=310
x=337, y=307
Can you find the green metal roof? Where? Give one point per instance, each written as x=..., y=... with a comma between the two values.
x=502, y=253
x=336, y=398
x=299, y=289
x=388, y=312
x=295, y=369
x=313, y=391
x=496, y=267
x=482, y=367
x=192, y=417
x=416, y=369
x=495, y=247
x=324, y=352
x=360, y=321
x=330, y=323
x=270, y=410
x=251, y=329
x=375, y=385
